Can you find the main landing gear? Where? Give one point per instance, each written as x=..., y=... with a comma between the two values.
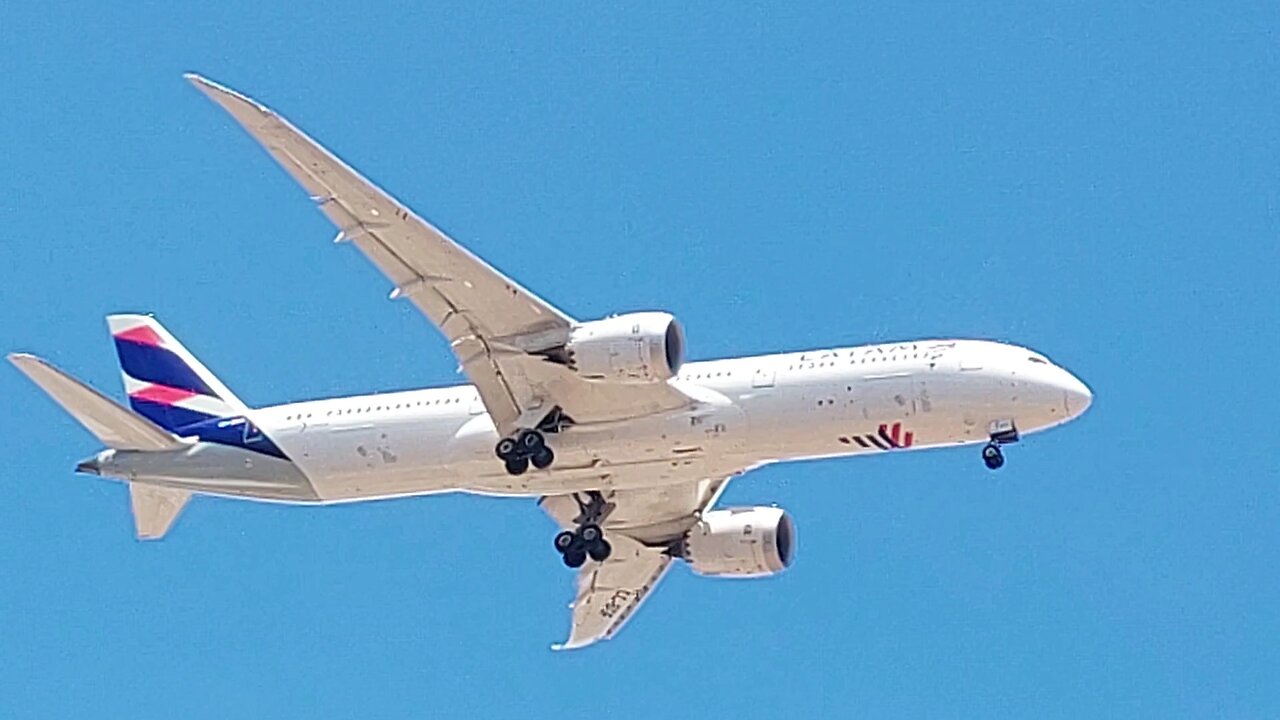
x=992, y=455
x=587, y=541
x=527, y=447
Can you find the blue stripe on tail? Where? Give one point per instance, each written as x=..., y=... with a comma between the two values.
x=152, y=364
x=169, y=417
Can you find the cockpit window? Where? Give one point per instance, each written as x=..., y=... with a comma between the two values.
x=1038, y=359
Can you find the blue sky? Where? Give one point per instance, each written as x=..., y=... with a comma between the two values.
x=1097, y=181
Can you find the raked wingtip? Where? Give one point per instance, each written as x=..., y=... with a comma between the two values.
x=226, y=97
x=201, y=82
x=20, y=359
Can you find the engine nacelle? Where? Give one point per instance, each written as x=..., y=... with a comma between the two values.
x=638, y=347
x=741, y=542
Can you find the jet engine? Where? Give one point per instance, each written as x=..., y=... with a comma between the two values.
x=741, y=542
x=634, y=348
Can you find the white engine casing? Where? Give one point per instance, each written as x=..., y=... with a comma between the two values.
x=634, y=348
x=741, y=542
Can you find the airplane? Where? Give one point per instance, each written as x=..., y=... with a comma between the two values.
x=627, y=446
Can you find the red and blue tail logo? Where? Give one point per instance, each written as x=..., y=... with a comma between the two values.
x=165, y=383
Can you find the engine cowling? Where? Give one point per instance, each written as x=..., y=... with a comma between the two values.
x=636, y=348
x=741, y=542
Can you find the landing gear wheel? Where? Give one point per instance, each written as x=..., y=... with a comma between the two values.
x=505, y=449
x=517, y=466
x=544, y=458
x=992, y=456
x=600, y=551
x=587, y=540
x=530, y=441
x=590, y=534
x=565, y=541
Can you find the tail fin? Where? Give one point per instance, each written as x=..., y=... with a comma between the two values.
x=165, y=383
x=115, y=426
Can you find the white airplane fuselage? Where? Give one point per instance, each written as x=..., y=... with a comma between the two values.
x=628, y=447
x=750, y=411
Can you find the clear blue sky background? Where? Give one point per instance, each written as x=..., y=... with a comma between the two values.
x=1096, y=181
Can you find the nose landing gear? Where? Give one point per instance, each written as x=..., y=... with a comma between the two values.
x=587, y=541
x=1002, y=433
x=993, y=456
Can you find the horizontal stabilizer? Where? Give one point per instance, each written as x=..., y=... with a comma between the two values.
x=155, y=508
x=116, y=426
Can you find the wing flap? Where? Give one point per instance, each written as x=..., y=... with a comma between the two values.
x=641, y=525
x=115, y=426
x=365, y=213
x=609, y=593
x=595, y=402
x=494, y=326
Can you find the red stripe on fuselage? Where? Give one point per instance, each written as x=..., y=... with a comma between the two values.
x=142, y=335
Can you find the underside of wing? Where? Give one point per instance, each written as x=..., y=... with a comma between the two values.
x=115, y=426
x=611, y=591
x=644, y=529
x=505, y=337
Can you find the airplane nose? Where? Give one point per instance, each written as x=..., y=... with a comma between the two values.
x=1077, y=397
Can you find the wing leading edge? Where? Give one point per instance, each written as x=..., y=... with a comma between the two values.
x=494, y=326
x=483, y=313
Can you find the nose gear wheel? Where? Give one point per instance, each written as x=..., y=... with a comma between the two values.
x=992, y=455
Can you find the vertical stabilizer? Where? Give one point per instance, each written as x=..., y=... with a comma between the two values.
x=155, y=509
x=166, y=383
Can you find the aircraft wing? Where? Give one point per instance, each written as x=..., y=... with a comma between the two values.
x=642, y=527
x=492, y=323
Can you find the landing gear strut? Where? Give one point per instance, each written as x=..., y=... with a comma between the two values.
x=575, y=546
x=992, y=455
x=528, y=446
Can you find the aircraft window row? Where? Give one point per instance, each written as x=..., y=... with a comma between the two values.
x=379, y=408
x=853, y=361
x=866, y=350
x=708, y=375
